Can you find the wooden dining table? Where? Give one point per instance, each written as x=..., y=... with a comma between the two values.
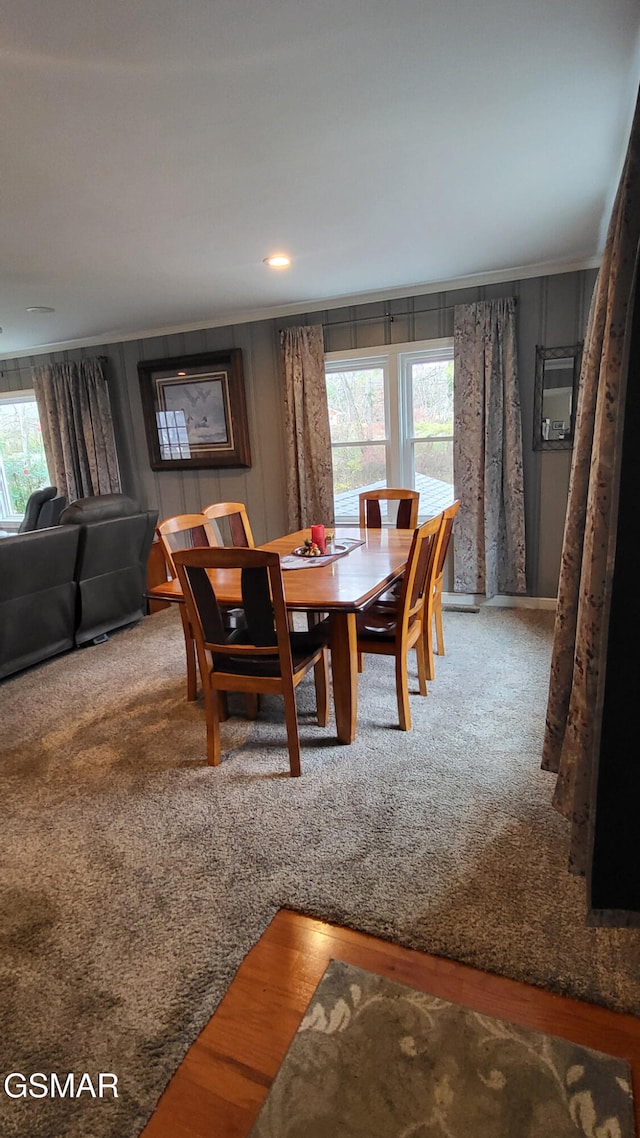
x=340, y=588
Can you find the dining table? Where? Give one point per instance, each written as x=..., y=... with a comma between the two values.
x=340, y=586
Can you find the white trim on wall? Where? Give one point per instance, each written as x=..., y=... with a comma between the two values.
x=472, y=601
x=516, y=273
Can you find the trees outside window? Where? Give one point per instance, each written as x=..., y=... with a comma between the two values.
x=391, y=418
x=23, y=466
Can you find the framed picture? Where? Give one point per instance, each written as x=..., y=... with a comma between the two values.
x=195, y=411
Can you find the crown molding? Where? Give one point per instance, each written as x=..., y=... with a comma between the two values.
x=516, y=273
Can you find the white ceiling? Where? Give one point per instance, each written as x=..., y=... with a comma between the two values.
x=152, y=153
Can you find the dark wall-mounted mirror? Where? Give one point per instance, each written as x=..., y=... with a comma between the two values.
x=554, y=413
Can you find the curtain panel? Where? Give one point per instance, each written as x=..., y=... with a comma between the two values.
x=489, y=537
x=309, y=468
x=588, y=555
x=77, y=428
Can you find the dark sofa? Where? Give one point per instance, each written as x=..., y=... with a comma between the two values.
x=72, y=584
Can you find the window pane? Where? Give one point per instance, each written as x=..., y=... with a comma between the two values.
x=433, y=465
x=432, y=398
x=355, y=469
x=356, y=404
x=23, y=467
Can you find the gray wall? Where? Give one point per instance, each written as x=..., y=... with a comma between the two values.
x=552, y=311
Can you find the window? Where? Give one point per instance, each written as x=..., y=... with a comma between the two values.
x=23, y=466
x=391, y=419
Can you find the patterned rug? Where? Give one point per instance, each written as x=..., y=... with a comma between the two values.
x=374, y=1057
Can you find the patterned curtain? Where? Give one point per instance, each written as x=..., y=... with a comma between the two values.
x=489, y=537
x=308, y=437
x=77, y=428
x=588, y=553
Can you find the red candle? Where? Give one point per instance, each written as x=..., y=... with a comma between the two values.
x=318, y=536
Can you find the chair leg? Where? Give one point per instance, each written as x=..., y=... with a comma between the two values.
x=211, y=710
x=402, y=689
x=321, y=675
x=223, y=708
x=437, y=614
x=293, y=738
x=427, y=640
x=423, y=674
x=361, y=662
x=190, y=649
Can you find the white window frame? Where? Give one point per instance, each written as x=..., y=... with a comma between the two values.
x=395, y=362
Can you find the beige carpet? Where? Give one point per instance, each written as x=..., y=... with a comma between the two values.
x=135, y=878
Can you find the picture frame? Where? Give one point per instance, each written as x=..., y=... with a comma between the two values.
x=195, y=411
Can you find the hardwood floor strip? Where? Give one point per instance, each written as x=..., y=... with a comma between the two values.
x=223, y=1080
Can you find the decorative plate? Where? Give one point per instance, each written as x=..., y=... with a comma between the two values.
x=301, y=551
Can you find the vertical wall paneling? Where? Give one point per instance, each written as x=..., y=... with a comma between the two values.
x=551, y=311
x=268, y=493
x=554, y=488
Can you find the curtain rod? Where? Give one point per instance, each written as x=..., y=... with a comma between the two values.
x=391, y=316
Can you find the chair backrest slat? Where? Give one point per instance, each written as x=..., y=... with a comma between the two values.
x=184, y=531
x=373, y=518
x=207, y=604
x=406, y=517
x=256, y=601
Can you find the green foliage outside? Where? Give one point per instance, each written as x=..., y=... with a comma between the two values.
x=431, y=430
x=21, y=454
x=356, y=404
x=435, y=459
x=23, y=479
x=357, y=466
x=357, y=414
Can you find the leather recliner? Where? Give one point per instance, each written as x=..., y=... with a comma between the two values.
x=74, y=583
x=37, y=596
x=33, y=507
x=50, y=512
x=115, y=538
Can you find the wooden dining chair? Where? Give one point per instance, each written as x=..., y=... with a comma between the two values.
x=237, y=521
x=185, y=531
x=448, y=516
x=407, y=512
x=393, y=628
x=406, y=518
x=239, y=530
x=265, y=657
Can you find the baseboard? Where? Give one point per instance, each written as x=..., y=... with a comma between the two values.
x=474, y=601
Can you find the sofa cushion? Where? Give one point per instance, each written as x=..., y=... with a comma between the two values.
x=98, y=509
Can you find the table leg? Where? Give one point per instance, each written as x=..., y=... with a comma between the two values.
x=344, y=668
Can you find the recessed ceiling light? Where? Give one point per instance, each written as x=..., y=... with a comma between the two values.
x=40, y=308
x=277, y=261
